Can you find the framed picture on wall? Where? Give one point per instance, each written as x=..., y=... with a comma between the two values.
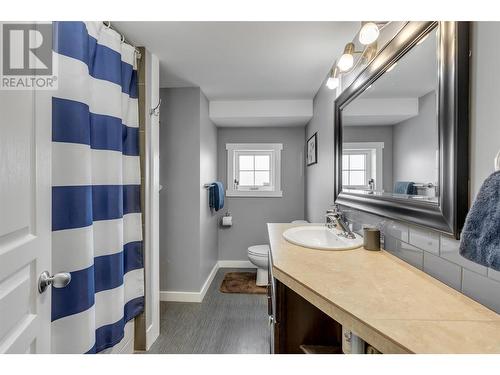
x=312, y=150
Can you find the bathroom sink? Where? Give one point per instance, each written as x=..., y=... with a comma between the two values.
x=321, y=237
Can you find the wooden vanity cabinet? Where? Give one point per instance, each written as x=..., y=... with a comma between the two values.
x=294, y=322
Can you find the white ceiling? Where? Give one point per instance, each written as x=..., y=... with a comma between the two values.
x=243, y=60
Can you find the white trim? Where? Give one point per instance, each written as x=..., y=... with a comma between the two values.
x=274, y=149
x=236, y=264
x=260, y=194
x=197, y=297
x=151, y=206
x=173, y=296
x=254, y=146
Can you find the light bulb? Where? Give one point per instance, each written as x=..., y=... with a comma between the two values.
x=332, y=83
x=368, y=33
x=346, y=62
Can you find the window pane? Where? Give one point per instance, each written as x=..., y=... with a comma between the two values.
x=246, y=178
x=262, y=178
x=357, y=178
x=262, y=163
x=345, y=178
x=246, y=162
x=357, y=162
x=345, y=161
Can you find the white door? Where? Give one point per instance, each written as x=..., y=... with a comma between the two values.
x=25, y=220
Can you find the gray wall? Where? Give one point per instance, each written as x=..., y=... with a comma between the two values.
x=416, y=143
x=375, y=134
x=319, y=177
x=208, y=173
x=188, y=233
x=435, y=254
x=250, y=214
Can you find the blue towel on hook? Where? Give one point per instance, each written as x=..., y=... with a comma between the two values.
x=404, y=187
x=216, y=196
x=480, y=238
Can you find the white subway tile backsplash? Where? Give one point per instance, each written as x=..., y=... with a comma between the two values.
x=449, y=250
x=481, y=289
x=443, y=270
x=436, y=255
x=405, y=251
x=396, y=230
x=424, y=239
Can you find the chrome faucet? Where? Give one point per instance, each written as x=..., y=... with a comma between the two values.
x=335, y=218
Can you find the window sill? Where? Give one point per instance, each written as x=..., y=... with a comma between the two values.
x=254, y=194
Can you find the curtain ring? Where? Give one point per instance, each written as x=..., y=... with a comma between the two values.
x=122, y=39
x=108, y=26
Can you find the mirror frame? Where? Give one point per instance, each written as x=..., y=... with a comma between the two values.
x=453, y=120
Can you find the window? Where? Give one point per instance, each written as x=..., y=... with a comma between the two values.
x=356, y=168
x=362, y=162
x=254, y=169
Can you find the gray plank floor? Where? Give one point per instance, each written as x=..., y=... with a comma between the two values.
x=222, y=323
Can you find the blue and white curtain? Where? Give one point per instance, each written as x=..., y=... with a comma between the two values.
x=96, y=213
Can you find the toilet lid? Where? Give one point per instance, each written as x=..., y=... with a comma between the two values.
x=261, y=250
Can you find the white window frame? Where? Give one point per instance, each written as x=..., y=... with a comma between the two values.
x=234, y=150
x=367, y=170
x=374, y=161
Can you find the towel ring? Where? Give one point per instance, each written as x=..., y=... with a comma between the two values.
x=497, y=162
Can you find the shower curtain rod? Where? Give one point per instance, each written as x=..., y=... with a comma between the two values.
x=108, y=25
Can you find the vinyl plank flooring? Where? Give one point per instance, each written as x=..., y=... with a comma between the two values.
x=223, y=323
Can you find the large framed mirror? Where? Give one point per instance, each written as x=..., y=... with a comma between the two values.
x=402, y=127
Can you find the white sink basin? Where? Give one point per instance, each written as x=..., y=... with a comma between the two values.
x=321, y=237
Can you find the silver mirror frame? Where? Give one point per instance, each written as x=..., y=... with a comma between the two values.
x=453, y=120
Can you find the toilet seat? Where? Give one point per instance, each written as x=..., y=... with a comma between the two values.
x=259, y=250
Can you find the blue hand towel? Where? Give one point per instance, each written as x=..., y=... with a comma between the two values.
x=480, y=238
x=216, y=196
x=404, y=187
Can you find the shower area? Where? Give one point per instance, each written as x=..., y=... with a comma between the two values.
x=104, y=191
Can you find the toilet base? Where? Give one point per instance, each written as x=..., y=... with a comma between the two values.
x=262, y=277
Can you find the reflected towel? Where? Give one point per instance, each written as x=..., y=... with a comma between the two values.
x=480, y=238
x=216, y=195
x=404, y=187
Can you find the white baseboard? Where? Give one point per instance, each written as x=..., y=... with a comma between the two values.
x=236, y=264
x=173, y=296
x=152, y=334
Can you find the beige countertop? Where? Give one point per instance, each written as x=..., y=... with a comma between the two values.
x=384, y=300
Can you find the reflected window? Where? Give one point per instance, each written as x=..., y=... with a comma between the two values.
x=356, y=171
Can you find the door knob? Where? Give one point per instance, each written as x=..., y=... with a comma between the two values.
x=59, y=280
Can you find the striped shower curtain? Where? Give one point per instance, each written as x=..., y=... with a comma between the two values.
x=96, y=213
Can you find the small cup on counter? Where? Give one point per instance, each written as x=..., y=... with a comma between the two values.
x=371, y=238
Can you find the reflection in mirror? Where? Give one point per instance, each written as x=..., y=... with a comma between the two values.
x=390, y=144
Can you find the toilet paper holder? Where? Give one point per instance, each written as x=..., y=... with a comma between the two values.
x=227, y=219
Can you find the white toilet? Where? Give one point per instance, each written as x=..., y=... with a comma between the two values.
x=259, y=256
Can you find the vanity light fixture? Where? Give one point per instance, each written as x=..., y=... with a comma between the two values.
x=346, y=61
x=369, y=33
x=333, y=80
